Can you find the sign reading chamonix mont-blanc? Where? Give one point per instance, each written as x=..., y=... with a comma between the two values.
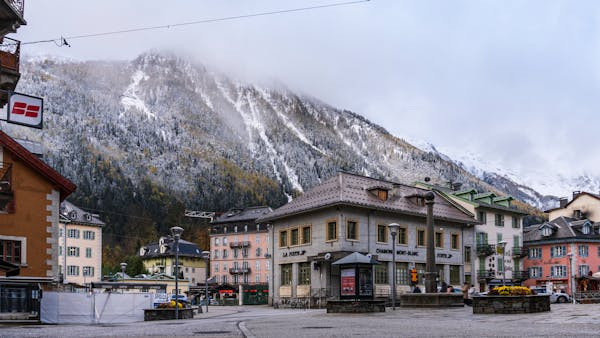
x=25, y=110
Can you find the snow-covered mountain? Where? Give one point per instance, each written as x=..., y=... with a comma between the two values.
x=213, y=141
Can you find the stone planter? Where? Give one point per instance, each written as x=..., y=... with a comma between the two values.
x=431, y=300
x=511, y=304
x=167, y=314
x=355, y=306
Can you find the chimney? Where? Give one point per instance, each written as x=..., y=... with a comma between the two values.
x=563, y=201
x=576, y=193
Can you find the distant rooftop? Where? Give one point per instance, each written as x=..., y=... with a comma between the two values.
x=70, y=213
x=248, y=214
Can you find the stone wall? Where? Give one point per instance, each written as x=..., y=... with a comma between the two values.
x=511, y=304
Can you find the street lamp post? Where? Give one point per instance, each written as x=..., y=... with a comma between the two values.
x=176, y=232
x=431, y=274
x=571, y=285
x=503, y=246
x=394, y=231
x=206, y=257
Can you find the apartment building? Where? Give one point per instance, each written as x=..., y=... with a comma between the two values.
x=496, y=254
x=559, y=249
x=80, y=245
x=240, y=247
x=583, y=204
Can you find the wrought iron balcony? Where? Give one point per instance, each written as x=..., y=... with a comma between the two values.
x=519, y=251
x=485, y=274
x=485, y=249
x=239, y=271
x=520, y=275
x=243, y=244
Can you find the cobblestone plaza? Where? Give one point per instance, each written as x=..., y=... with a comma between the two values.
x=262, y=321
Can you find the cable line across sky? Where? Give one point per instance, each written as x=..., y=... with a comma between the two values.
x=63, y=40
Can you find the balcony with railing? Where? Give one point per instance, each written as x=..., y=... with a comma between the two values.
x=239, y=271
x=485, y=249
x=519, y=251
x=520, y=275
x=10, y=52
x=243, y=244
x=483, y=275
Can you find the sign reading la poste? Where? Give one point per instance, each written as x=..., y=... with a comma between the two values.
x=25, y=110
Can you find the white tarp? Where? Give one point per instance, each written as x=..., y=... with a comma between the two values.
x=85, y=308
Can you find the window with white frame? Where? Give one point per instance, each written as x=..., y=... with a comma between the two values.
x=257, y=239
x=73, y=233
x=224, y=240
x=224, y=279
x=558, y=271
x=88, y=252
x=216, y=267
x=535, y=272
x=583, y=270
x=224, y=266
x=216, y=253
x=217, y=242
x=88, y=271
x=72, y=270
x=257, y=279
x=89, y=235
x=257, y=265
x=225, y=253
x=258, y=252
x=558, y=251
x=268, y=265
x=535, y=253
x=73, y=251
x=583, y=250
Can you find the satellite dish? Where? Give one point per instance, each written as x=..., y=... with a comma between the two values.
x=327, y=256
x=72, y=214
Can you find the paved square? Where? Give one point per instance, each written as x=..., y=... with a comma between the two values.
x=262, y=321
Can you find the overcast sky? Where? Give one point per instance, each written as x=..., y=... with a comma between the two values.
x=514, y=81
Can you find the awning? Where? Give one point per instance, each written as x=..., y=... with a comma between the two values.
x=356, y=258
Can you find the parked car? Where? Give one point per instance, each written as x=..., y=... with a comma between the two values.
x=182, y=298
x=160, y=298
x=555, y=297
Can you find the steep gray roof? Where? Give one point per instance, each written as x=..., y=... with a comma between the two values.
x=351, y=189
x=186, y=248
x=69, y=213
x=249, y=214
x=563, y=229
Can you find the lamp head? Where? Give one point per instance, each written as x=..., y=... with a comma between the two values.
x=205, y=254
x=123, y=265
x=394, y=228
x=176, y=232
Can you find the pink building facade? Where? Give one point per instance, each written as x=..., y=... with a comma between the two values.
x=240, y=247
x=560, y=251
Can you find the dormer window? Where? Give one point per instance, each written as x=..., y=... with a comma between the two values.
x=380, y=192
x=586, y=229
x=546, y=231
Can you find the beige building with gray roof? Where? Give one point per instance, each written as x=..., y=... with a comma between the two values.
x=350, y=213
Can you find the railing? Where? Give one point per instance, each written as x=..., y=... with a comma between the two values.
x=239, y=271
x=485, y=274
x=18, y=6
x=239, y=244
x=10, y=51
x=520, y=275
x=485, y=249
x=519, y=251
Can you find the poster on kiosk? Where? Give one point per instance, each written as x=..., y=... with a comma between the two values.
x=25, y=110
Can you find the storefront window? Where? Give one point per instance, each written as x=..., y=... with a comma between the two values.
x=454, y=274
x=286, y=274
x=381, y=274
x=402, y=274
x=304, y=273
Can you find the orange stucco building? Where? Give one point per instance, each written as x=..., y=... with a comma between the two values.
x=30, y=196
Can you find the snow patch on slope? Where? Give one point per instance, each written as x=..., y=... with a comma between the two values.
x=130, y=97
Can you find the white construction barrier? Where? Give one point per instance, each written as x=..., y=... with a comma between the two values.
x=86, y=308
